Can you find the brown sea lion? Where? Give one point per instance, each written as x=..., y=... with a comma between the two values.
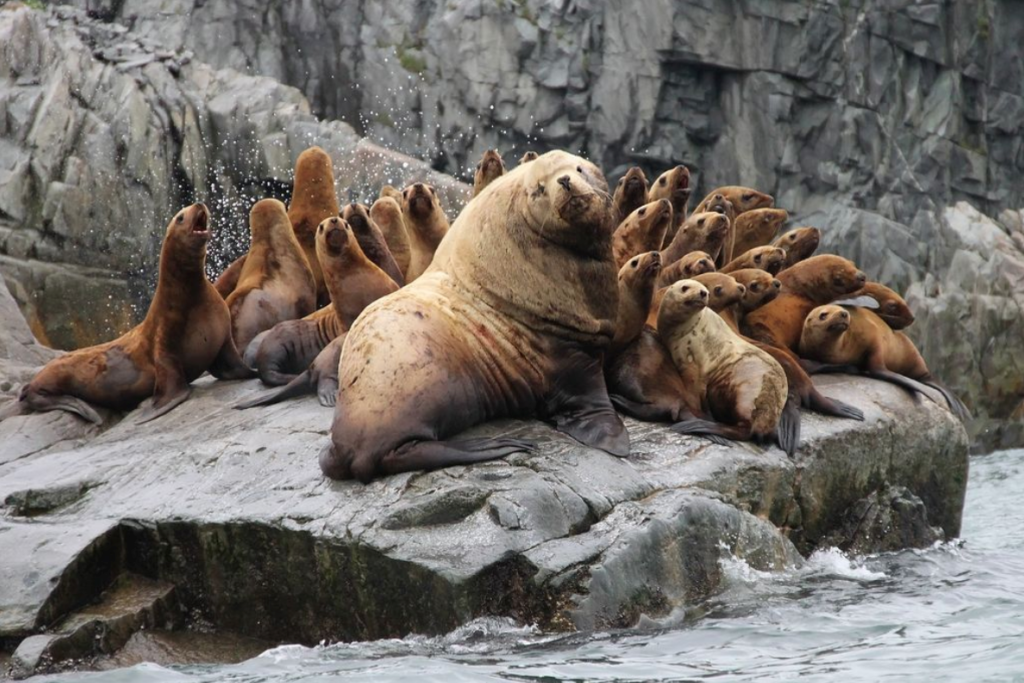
x=427, y=225
x=857, y=337
x=813, y=282
x=354, y=281
x=723, y=291
x=276, y=283
x=704, y=231
x=799, y=244
x=371, y=240
x=630, y=194
x=186, y=332
x=514, y=324
x=642, y=230
x=673, y=185
x=528, y=157
x=756, y=228
x=694, y=263
x=886, y=304
x=636, y=287
x=761, y=287
x=387, y=214
x=743, y=199
x=744, y=388
x=490, y=168
x=392, y=192
x=313, y=199
x=767, y=258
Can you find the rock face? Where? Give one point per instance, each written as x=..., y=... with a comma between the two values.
x=211, y=517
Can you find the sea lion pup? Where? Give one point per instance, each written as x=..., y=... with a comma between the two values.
x=313, y=199
x=186, y=332
x=490, y=168
x=276, y=283
x=756, y=228
x=673, y=185
x=512, y=320
x=387, y=214
x=768, y=258
x=371, y=240
x=636, y=287
x=320, y=377
x=528, y=157
x=642, y=230
x=839, y=336
x=799, y=244
x=630, y=194
x=704, y=231
x=885, y=303
x=427, y=225
x=694, y=263
x=354, y=281
x=743, y=387
x=392, y=192
x=814, y=282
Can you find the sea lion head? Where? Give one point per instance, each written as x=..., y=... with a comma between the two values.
x=723, y=290
x=528, y=157
x=682, y=302
x=392, y=192
x=799, y=244
x=713, y=227
x=567, y=203
x=697, y=263
x=490, y=167
x=190, y=229
x=641, y=271
x=761, y=286
x=823, y=278
x=633, y=186
x=419, y=200
x=333, y=237
x=827, y=320
x=768, y=220
x=386, y=209
x=267, y=218
x=357, y=216
x=674, y=184
x=717, y=203
x=768, y=258
x=651, y=218
x=744, y=198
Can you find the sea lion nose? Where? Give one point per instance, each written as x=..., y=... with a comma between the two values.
x=334, y=221
x=743, y=290
x=703, y=294
x=861, y=277
x=776, y=284
x=565, y=181
x=418, y=186
x=844, y=315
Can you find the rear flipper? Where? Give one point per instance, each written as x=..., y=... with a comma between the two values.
x=955, y=404
x=820, y=403
x=434, y=455
x=813, y=367
x=787, y=432
x=29, y=401
x=327, y=391
x=301, y=385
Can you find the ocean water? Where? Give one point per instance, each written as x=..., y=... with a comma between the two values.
x=953, y=612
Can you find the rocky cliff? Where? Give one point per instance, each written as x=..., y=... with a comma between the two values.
x=895, y=126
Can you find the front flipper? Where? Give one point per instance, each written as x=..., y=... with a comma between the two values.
x=434, y=455
x=579, y=406
x=327, y=391
x=788, y=430
x=648, y=412
x=706, y=428
x=171, y=389
x=229, y=364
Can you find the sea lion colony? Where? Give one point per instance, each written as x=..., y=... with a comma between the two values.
x=548, y=296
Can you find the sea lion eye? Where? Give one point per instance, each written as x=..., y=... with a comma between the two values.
x=432, y=191
x=822, y=316
x=635, y=262
x=767, y=220
x=757, y=259
x=181, y=217
x=747, y=197
x=662, y=181
x=686, y=288
x=641, y=212
x=478, y=167
x=579, y=169
x=754, y=286
x=700, y=221
x=718, y=291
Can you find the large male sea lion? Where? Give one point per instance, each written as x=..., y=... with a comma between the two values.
x=186, y=332
x=387, y=214
x=275, y=283
x=641, y=231
x=630, y=194
x=490, y=168
x=510, y=321
x=427, y=226
x=313, y=199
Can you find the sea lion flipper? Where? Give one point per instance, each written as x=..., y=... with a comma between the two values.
x=302, y=384
x=788, y=429
x=831, y=406
x=813, y=367
x=648, y=412
x=860, y=301
x=70, y=404
x=955, y=404
x=915, y=388
x=229, y=364
x=172, y=389
x=432, y=455
x=327, y=391
x=697, y=427
x=600, y=429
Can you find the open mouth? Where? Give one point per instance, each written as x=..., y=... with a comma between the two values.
x=654, y=267
x=839, y=327
x=201, y=224
x=357, y=221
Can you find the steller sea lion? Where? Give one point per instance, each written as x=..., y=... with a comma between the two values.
x=512, y=320
x=371, y=241
x=673, y=185
x=744, y=388
x=354, y=281
x=528, y=157
x=320, y=377
x=390, y=191
x=387, y=214
x=761, y=287
x=799, y=244
x=723, y=291
x=705, y=232
x=490, y=167
x=743, y=199
x=313, y=199
x=813, y=282
x=694, y=263
x=756, y=228
x=886, y=304
x=859, y=338
x=186, y=332
x=636, y=287
x=642, y=230
x=275, y=283
x=630, y=194
x=427, y=225
x=768, y=258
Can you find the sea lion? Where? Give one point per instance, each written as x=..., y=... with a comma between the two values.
x=354, y=281
x=799, y=244
x=371, y=240
x=387, y=214
x=276, y=283
x=743, y=199
x=673, y=185
x=723, y=291
x=767, y=258
x=704, y=231
x=756, y=228
x=642, y=230
x=392, y=192
x=886, y=304
x=313, y=199
x=630, y=194
x=320, y=377
x=694, y=263
x=743, y=387
x=813, y=282
x=514, y=324
x=186, y=332
x=528, y=157
x=427, y=225
x=761, y=287
x=490, y=167
x=636, y=287
x=857, y=337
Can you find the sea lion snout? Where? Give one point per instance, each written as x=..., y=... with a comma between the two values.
x=861, y=278
x=566, y=182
